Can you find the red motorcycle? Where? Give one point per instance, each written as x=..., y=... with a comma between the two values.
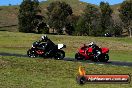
x=94, y=54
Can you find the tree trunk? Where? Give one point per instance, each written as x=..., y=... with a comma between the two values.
x=130, y=30
x=53, y=31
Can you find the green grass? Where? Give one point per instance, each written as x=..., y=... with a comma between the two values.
x=19, y=43
x=46, y=73
x=121, y=55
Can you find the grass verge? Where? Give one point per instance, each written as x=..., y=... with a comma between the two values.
x=46, y=73
x=19, y=43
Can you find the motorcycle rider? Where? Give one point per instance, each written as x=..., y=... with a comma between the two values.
x=47, y=44
x=96, y=49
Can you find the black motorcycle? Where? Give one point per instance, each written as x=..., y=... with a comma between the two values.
x=47, y=51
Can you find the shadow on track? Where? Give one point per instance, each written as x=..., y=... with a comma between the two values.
x=117, y=63
x=9, y=54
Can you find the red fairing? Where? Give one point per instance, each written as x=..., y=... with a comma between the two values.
x=84, y=51
x=81, y=51
x=40, y=52
x=87, y=53
x=90, y=50
x=105, y=50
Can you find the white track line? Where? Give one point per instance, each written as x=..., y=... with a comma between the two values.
x=101, y=64
x=105, y=64
x=125, y=66
x=91, y=63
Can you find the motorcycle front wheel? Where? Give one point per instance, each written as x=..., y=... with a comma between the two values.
x=104, y=58
x=31, y=53
x=95, y=59
x=59, y=55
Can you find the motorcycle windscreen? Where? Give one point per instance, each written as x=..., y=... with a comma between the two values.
x=105, y=50
x=60, y=46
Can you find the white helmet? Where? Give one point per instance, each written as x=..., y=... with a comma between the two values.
x=91, y=43
x=43, y=37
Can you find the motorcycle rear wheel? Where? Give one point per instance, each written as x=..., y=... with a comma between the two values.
x=79, y=56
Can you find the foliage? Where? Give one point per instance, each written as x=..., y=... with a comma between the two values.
x=126, y=14
x=102, y=25
x=106, y=18
x=118, y=28
x=57, y=15
x=88, y=22
x=40, y=24
x=71, y=24
x=27, y=12
x=81, y=27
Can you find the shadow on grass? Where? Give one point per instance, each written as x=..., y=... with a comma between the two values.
x=3, y=30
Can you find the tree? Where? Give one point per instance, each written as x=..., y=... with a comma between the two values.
x=40, y=24
x=126, y=15
x=88, y=20
x=57, y=15
x=117, y=26
x=81, y=28
x=10, y=5
x=27, y=12
x=117, y=29
x=71, y=24
x=106, y=18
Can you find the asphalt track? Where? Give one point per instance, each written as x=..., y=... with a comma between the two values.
x=116, y=63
